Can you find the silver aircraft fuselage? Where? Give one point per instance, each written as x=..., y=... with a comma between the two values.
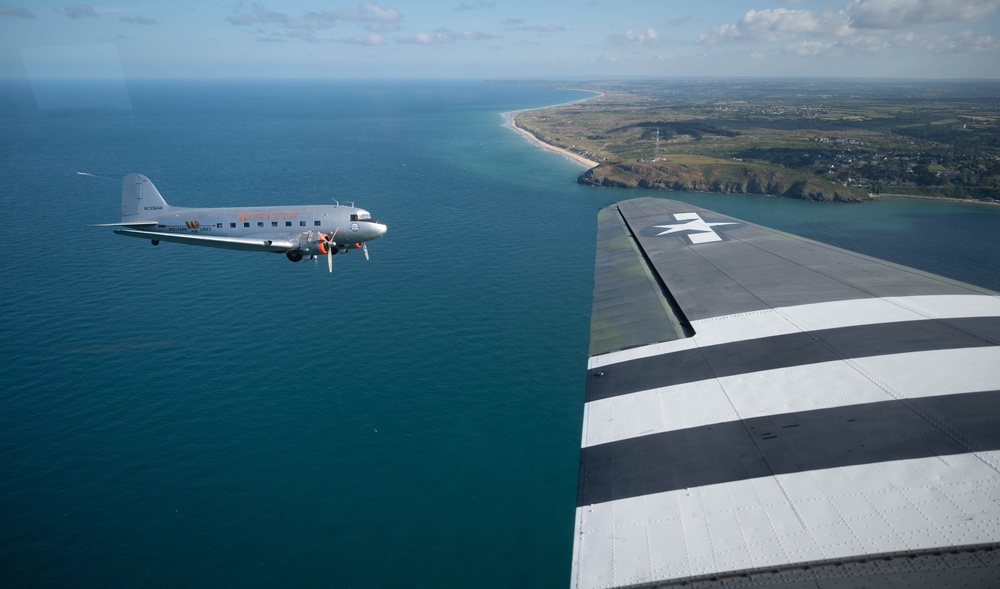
x=298, y=231
x=300, y=226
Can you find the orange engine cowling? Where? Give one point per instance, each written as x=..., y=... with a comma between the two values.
x=322, y=242
x=316, y=242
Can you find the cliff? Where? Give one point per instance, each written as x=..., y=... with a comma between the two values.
x=735, y=178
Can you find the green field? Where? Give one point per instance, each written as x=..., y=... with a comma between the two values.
x=815, y=139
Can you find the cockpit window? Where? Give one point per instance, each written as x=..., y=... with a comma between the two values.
x=360, y=216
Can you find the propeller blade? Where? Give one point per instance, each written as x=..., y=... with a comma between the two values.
x=364, y=246
x=330, y=244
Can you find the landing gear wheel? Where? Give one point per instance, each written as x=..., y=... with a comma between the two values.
x=294, y=256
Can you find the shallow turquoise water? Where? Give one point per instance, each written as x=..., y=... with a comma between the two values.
x=182, y=416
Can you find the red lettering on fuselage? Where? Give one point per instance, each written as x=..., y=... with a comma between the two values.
x=268, y=216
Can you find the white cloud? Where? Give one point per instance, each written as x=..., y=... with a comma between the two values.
x=893, y=14
x=632, y=37
x=373, y=17
x=681, y=21
x=258, y=15
x=464, y=7
x=445, y=36
x=78, y=11
x=965, y=42
x=138, y=20
x=860, y=28
x=772, y=24
x=808, y=48
x=369, y=39
x=15, y=11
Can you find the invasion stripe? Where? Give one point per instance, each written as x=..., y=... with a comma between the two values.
x=784, y=390
x=789, y=443
x=795, y=349
x=814, y=316
x=898, y=508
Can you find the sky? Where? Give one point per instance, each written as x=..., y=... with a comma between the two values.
x=486, y=39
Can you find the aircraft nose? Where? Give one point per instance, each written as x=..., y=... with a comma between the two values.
x=380, y=229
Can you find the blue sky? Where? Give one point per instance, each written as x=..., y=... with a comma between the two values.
x=502, y=38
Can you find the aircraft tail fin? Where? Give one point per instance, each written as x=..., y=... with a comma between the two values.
x=140, y=198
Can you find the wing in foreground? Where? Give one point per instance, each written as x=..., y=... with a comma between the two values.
x=257, y=244
x=765, y=410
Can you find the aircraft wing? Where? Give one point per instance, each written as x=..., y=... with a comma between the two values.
x=262, y=243
x=764, y=410
x=128, y=224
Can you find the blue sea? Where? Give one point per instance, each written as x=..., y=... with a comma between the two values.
x=178, y=416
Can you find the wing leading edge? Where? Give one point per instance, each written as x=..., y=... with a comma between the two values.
x=765, y=410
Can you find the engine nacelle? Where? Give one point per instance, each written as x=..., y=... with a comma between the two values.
x=314, y=243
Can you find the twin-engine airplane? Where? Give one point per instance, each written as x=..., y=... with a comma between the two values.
x=296, y=231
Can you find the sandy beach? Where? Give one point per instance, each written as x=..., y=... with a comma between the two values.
x=512, y=121
x=939, y=198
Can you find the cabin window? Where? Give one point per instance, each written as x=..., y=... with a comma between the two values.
x=302, y=223
x=260, y=223
x=246, y=224
x=288, y=223
x=274, y=223
x=218, y=225
x=316, y=223
x=232, y=225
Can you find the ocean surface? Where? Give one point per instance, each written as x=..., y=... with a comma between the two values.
x=178, y=416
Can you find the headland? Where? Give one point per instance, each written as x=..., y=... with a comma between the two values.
x=810, y=138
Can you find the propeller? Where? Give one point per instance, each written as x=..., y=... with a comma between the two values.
x=330, y=245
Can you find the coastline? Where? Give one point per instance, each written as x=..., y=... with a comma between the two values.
x=937, y=198
x=511, y=121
